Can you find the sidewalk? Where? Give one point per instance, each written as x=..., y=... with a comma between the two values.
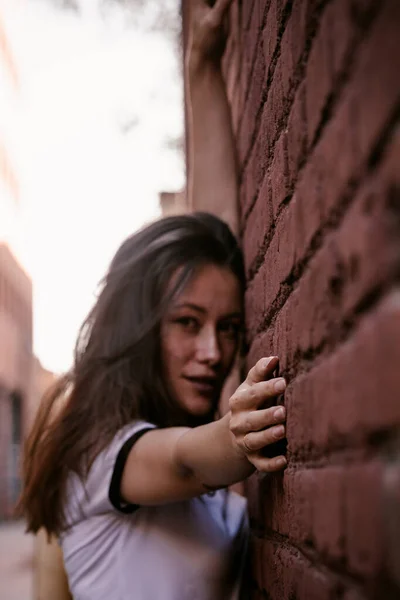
x=16, y=559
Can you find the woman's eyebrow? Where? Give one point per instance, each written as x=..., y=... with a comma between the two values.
x=190, y=305
x=200, y=309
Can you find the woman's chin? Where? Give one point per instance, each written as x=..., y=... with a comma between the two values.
x=199, y=405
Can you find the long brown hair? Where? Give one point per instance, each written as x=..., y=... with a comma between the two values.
x=117, y=373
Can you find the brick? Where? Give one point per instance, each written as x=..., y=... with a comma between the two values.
x=263, y=7
x=322, y=271
x=336, y=403
x=328, y=58
x=313, y=311
x=379, y=62
x=255, y=304
x=341, y=34
x=270, y=578
x=278, y=174
x=301, y=485
x=255, y=509
x=280, y=339
x=293, y=565
x=274, y=107
x=277, y=513
x=279, y=257
x=354, y=594
x=361, y=9
x=250, y=39
x=344, y=143
x=378, y=336
x=296, y=136
x=278, y=564
x=260, y=346
x=293, y=44
x=253, y=103
x=328, y=526
x=257, y=226
x=316, y=586
x=389, y=168
x=368, y=241
x=255, y=559
x=391, y=514
x=308, y=207
x=253, y=175
x=271, y=116
x=270, y=32
x=338, y=146
x=363, y=518
x=299, y=402
x=353, y=261
x=364, y=237
x=319, y=78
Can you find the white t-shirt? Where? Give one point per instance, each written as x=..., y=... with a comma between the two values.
x=189, y=550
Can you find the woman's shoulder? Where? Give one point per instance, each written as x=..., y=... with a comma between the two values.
x=127, y=434
x=89, y=494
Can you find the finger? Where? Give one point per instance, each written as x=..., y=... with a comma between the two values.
x=256, y=440
x=261, y=370
x=259, y=419
x=219, y=10
x=254, y=396
x=268, y=465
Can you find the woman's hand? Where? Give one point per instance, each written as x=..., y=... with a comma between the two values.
x=207, y=37
x=252, y=426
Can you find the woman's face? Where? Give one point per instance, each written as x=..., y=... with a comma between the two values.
x=199, y=338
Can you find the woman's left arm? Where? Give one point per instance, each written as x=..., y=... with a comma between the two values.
x=212, y=170
x=50, y=579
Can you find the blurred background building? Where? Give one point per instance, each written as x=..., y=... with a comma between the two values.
x=15, y=372
x=22, y=378
x=173, y=203
x=15, y=305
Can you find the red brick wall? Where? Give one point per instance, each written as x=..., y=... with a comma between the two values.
x=315, y=96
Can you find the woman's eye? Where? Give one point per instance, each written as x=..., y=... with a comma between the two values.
x=230, y=329
x=188, y=323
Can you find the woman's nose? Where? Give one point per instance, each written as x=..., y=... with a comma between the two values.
x=208, y=347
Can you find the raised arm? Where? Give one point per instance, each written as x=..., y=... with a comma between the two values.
x=212, y=176
x=173, y=464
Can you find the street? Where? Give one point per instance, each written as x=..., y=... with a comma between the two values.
x=16, y=562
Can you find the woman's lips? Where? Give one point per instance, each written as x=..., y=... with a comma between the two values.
x=204, y=385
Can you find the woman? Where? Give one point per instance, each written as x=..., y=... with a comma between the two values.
x=128, y=470
x=189, y=530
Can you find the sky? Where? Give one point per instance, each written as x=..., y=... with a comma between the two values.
x=97, y=100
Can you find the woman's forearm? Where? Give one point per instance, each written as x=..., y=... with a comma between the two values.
x=210, y=454
x=212, y=181
x=175, y=463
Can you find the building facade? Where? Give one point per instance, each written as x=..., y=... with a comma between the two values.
x=173, y=203
x=15, y=373
x=315, y=100
x=22, y=378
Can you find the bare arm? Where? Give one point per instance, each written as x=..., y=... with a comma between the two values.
x=50, y=580
x=212, y=177
x=172, y=464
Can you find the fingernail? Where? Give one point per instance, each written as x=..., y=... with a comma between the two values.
x=280, y=385
x=279, y=432
x=279, y=413
x=266, y=362
x=281, y=461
